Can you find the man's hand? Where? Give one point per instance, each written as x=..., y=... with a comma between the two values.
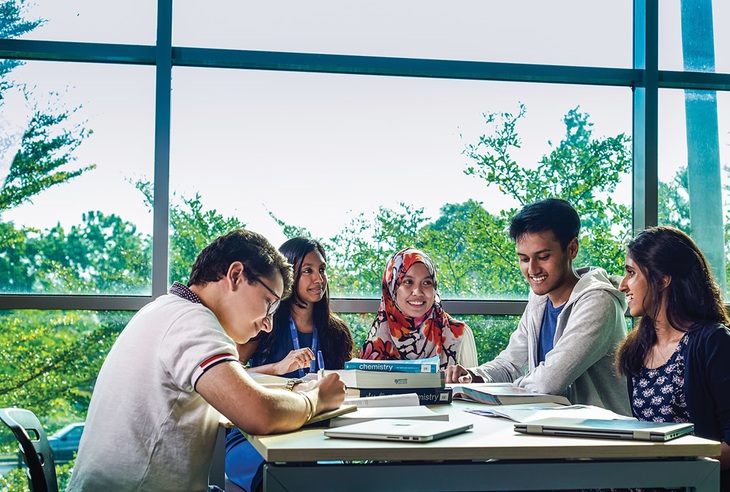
x=331, y=391
x=459, y=374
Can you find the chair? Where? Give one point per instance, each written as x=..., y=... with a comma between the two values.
x=467, y=355
x=34, y=447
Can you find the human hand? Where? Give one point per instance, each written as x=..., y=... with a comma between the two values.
x=331, y=392
x=296, y=359
x=306, y=385
x=457, y=374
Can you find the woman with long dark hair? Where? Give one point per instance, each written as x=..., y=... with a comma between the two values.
x=676, y=360
x=303, y=326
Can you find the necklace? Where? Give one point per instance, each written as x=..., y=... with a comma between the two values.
x=660, y=354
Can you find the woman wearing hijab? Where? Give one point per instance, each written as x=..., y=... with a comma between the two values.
x=411, y=324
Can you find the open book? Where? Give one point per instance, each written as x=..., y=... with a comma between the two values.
x=499, y=394
x=528, y=412
x=331, y=414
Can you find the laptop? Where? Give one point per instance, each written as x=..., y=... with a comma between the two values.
x=399, y=430
x=635, y=430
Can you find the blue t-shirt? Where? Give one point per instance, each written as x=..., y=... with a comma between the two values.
x=547, y=330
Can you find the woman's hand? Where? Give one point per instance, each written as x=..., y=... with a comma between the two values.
x=296, y=359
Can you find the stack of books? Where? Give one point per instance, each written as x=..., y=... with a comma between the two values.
x=367, y=378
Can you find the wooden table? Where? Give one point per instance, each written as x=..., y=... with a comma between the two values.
x=490, y=457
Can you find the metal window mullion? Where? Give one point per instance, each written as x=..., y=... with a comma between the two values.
x=645, y=114
x=163, y=95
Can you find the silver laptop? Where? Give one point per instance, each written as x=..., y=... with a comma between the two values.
x=606, y=429
x=399, y=430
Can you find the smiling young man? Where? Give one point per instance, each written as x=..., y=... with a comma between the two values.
x=173, y=371
x=574, y=319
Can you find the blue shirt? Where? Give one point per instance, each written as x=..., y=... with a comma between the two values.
x=547, y=330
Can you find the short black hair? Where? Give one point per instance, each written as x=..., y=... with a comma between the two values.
x=259, y=258
x=551, y=214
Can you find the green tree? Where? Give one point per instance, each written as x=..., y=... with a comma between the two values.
x=357, y=254
x=470, y=246
x=466, y=241
x=12, y=24
x=47, y=146
x=191, y=229
x=674, y=201
x=595, y=165
x=46, y=149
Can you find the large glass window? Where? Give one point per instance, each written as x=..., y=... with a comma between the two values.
x=50, y=360
x=693, y=35
x=694, y=167
x=429, y=124
x=77, y=152
x=564, y=32
x=132, y=21
x=375, y=164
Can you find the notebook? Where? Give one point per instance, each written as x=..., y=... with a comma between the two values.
x=330, y=414
x=606, y=429
x=399, y=430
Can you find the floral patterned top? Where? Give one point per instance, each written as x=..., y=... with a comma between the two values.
x=658, y=394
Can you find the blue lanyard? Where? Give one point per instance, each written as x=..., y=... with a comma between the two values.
x=295, y=343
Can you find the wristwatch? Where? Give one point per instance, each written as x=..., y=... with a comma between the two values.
x=290, y=383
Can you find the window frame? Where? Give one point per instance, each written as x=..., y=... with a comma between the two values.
x=645, y=79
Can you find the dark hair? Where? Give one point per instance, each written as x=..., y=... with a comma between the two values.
x=259, y=258
x=551, y=214
x=335, y=338
x=692, y=296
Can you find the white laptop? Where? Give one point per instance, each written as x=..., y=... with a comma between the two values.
x=606, y=429
x=399, y=430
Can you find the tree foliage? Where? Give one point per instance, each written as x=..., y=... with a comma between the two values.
x=12, y=24
x=471, y=247
x=365, y=242
x=46, y=147
x=51, y=357
x=192, y=228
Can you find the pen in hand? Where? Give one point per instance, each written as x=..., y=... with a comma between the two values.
x=320, y=364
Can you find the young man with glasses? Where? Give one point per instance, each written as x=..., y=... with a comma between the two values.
x=173, y=372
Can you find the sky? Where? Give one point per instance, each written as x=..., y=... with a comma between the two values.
x=316, y=149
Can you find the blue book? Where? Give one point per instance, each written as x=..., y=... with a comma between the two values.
x=407, y=365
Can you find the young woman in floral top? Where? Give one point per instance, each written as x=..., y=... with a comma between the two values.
x=676, y=360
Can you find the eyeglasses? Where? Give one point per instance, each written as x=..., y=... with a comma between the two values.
x=277, y=299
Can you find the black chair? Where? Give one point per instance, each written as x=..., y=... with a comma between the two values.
x=34, y=448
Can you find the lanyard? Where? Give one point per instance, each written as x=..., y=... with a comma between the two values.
x=295, y=343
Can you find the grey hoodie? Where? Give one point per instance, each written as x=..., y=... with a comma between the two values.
x=580, y=365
